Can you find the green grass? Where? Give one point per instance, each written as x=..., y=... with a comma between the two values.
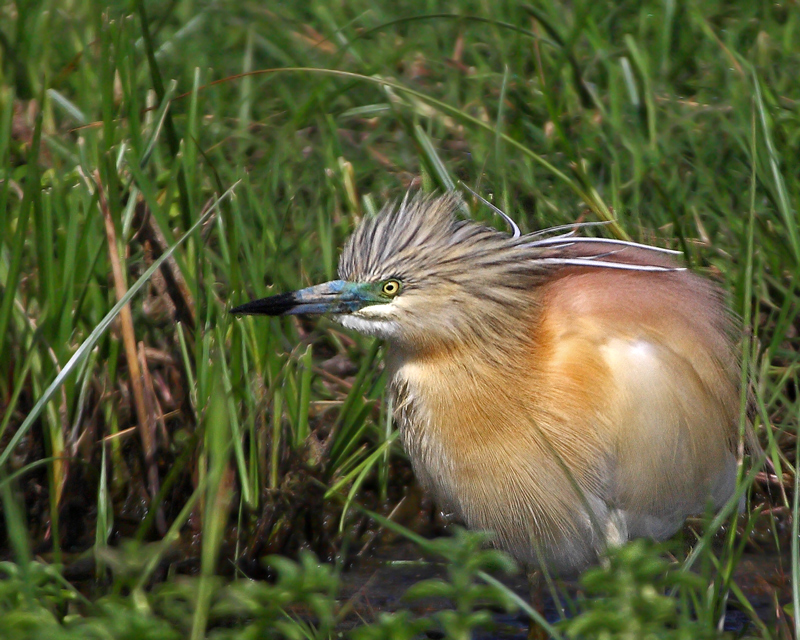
x=250, y=138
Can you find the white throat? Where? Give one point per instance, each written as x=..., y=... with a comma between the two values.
x=376, y=320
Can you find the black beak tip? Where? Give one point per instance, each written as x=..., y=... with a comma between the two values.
x=272, y=306
x=241, y=310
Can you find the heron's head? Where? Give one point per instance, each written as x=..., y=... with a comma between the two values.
x=414, y=275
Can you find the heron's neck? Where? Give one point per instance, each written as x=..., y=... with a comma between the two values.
x=472, y=359
x=491, y=340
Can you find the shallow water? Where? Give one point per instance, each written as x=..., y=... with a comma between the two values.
x=378, y=584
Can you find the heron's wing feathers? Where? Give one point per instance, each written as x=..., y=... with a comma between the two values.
x=669, y=407
x=672, y=438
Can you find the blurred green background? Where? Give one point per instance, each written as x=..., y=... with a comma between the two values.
x=139, y=447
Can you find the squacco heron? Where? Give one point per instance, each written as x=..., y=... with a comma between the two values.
x=565, y=393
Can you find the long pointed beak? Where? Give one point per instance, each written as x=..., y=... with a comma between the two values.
x=336, y=296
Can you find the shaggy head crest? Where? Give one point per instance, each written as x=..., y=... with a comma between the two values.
x=399, y=237
x=422, y=239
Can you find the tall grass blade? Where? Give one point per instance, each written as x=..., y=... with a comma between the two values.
x=77, y=358
x=18, y=244
x=784, y=206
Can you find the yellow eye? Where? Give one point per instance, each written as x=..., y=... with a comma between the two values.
x=390, y=288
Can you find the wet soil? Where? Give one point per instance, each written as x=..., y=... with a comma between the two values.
x=377, y=585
